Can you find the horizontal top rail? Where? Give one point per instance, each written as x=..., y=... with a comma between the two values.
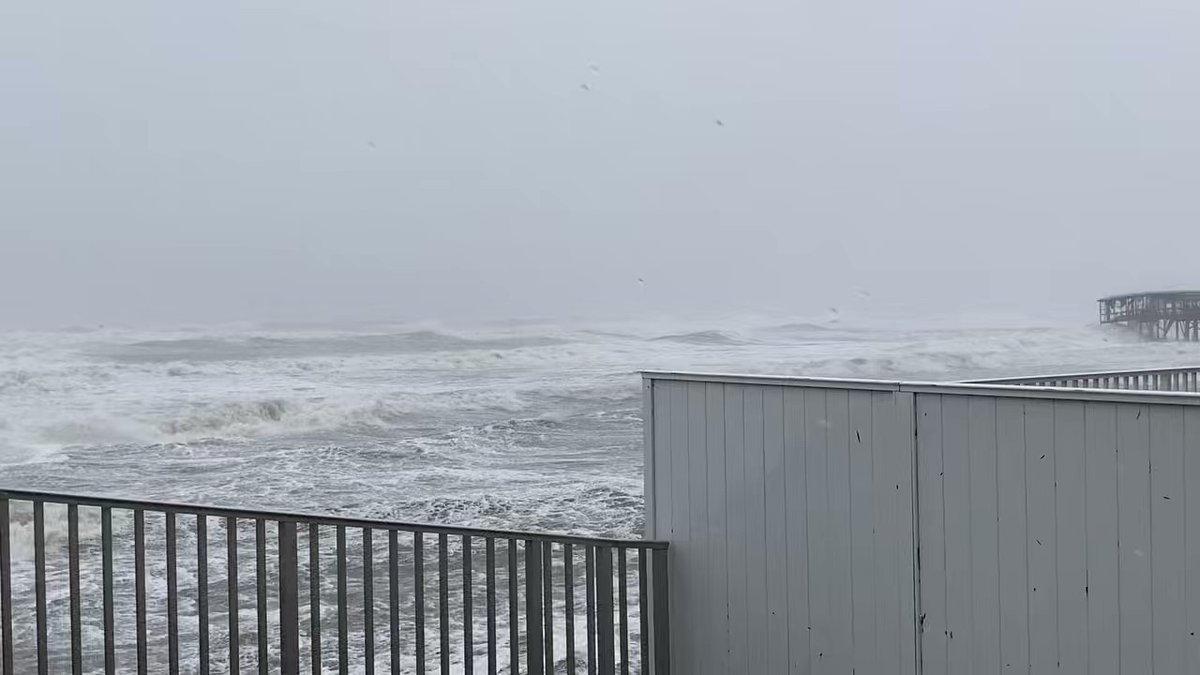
x=284, y=516
x=773, y=380
x=1089, y=375
x=1006, y=389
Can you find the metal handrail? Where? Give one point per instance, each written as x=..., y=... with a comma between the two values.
x=532, y=562
x=320, y=519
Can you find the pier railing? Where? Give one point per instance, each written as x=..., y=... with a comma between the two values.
x=1160, y=379
x=99, y=585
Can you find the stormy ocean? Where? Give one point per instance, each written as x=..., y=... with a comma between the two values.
x=518, y=425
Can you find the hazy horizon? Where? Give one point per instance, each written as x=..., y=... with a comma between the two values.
x=316, y=161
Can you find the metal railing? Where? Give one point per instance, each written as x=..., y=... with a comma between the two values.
x=275, y=597
x=1159, y=379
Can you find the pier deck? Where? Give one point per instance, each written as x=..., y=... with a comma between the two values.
x=1158, y=315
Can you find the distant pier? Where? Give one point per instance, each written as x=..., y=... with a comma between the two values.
x=1160, y=315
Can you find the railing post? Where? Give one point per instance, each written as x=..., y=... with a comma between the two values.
x=604, y=611
x=289, y=605
x=6, y=618
x=661, y=613
x=39, y=571
x=535, y=659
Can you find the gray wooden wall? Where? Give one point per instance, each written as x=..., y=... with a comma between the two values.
x=1058, y=536
x=789, y=510
x=1056, y=532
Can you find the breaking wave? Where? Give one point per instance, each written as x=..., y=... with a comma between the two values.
x=193, y=349
x=232, y=415
x=705, y=337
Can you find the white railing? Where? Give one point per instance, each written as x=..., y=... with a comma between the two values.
x=1156, y=379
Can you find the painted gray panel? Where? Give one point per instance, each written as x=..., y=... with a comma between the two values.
x=751, y=542
x=890, y=563
x=799, y=621
x=697, y=454
x=1166, y=537
x=1133, y=495
x=678, y=520
x=1191, y=472
x=1040, y=541
x=697, y=515
x=717, y=608
x=776, y=531
x=984, y=536
x=1011, y=527
x=837, y=545
x=862, y=533
x=1102, y=552
x=648, y=474
x=903, y=415
x=683, y=557
x=660, y=458
x=1069, y=472
x=956, y=492
x=820, y=599
x=932, y=527
x=735, y=505
x=756, y=537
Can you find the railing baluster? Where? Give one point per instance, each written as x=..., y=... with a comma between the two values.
x=289, y=600
x=468, y=619
x=590, y=583
x=643, y=613
x=106, y=552
x=493, y=657
x=569, y=603
x=662, y=617
x=623, y=600
x=6, y=620
x=231, y=566
x=39, y=584
x=394, y=597
x=343, y=611
x=444, y=602
x=139, y=565
x=419, y=597
x=533, y=608
x=548, y=603
x=314, y=596
x=260, y=569
x=514, y=612
x=202, y=588
x=368, y=602
x=172, y=594
x=604, y=610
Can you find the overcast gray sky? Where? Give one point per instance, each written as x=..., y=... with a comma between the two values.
x=211, y=161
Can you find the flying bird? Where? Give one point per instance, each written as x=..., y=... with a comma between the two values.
x=720, y=123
